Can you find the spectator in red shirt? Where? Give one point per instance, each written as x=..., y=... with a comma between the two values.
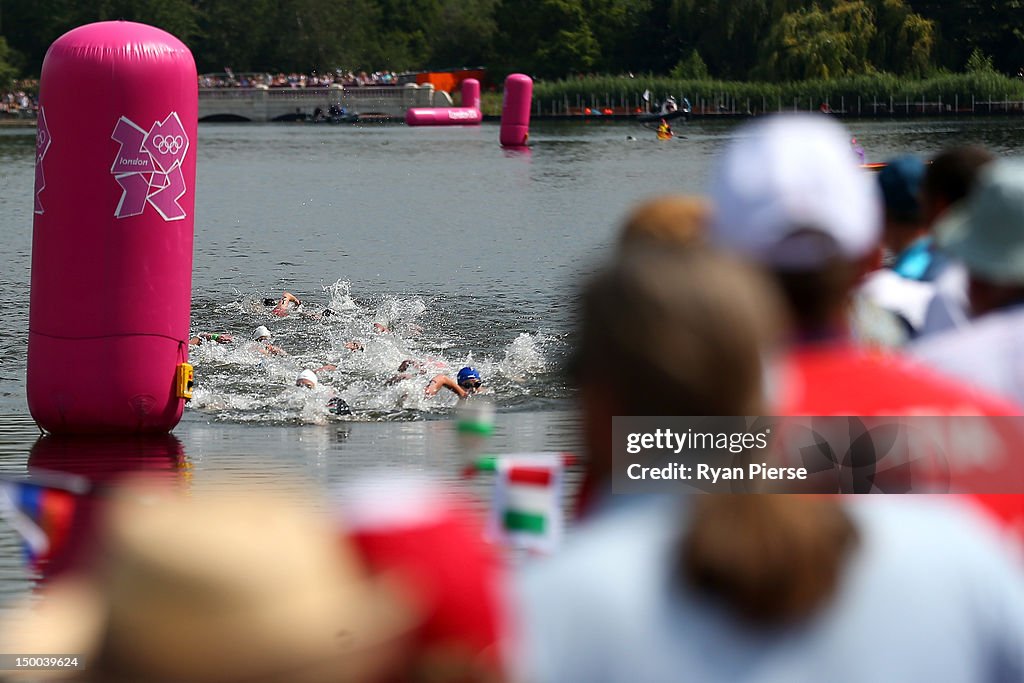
x=787, y=196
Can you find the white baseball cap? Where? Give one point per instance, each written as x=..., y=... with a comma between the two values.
x=788, y=193
x=260, y=332
x=307, y=376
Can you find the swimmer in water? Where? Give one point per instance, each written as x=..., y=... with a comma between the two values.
x=283, y=306
x=261, y=337
x=198, y=339
x=467, y=383
x=408, y=369
x=336, y=405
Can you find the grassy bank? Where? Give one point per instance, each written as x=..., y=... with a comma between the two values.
x=861, y=95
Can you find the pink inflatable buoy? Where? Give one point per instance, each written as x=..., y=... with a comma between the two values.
x=112, y=235
x=515, y=110
x=468, y=114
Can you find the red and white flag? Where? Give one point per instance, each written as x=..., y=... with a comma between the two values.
x=526, y=511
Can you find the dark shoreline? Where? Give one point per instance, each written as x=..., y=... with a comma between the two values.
x=725, y=116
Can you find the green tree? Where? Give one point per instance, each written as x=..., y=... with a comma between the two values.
x=725, y=33
x=243, y=41
x=979, y=62
x=617, y=26
x=464, y=34
x=180, y=18
x=904, y=42
x=8, y=71
x=545, y=38
x=324, y=35
x=820, y=44
x=691, y=68
x=993, y=26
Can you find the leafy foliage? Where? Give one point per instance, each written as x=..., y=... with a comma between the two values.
x=7, y=69
x=774, y=41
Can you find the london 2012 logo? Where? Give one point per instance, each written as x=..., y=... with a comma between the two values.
x=148, y=167
x=43, y=141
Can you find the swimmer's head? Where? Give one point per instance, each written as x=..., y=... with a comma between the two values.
x=469, y=378
x=306, y=378
x=380, y=328
x=260, y=333
x=270, y=302
x=338, y=406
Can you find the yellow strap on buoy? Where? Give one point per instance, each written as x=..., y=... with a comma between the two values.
x=184, y=380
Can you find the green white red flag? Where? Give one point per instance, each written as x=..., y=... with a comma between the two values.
x=527, y=506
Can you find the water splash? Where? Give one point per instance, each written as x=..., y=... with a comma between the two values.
x=357, y=345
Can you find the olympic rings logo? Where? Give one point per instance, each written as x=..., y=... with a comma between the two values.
x=168, y=144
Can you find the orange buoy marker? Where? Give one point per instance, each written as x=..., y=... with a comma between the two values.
x=515, y=110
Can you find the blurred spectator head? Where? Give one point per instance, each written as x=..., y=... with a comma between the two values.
x=900, y=182
x=223, y=586
x=949, y=178
x=670, y=333
x=986, y=232
x=787, y=194
x=668, y=221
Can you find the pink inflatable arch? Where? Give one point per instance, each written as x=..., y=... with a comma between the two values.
x=112, y=236
x=468, y=114
x=515, y=110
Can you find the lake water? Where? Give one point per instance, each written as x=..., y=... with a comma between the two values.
x=468, y=253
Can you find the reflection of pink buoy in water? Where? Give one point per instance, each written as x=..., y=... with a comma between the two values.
x=112, y=237
x=515, y=110
x=99, y=463
x=468, y=114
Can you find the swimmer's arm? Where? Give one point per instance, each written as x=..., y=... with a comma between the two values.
x=444, y=381
x=287, y=302
x=210, y=336
x=270, y=349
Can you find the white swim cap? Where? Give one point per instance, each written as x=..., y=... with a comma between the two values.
x=306, y=378
x=260, y=332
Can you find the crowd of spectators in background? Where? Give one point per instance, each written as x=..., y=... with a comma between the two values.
x=229, y=79
x=22, y=101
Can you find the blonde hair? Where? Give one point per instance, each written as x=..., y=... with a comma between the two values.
x=669, y=332
x=695, y=321
x=669, y=220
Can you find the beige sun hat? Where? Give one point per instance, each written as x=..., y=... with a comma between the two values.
x=220, y=588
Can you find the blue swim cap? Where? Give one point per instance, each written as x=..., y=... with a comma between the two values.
x=467, y=373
